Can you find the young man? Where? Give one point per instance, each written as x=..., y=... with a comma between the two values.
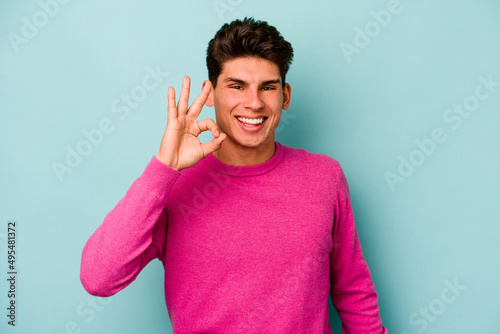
x=250, y=232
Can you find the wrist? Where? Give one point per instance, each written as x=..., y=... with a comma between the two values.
x=166, y=163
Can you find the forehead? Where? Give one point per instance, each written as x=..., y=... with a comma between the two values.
x=252, y=69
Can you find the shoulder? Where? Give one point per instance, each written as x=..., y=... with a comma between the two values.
x=313, y=162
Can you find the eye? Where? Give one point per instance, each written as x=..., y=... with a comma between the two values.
x=236, y=87
x=268, y=88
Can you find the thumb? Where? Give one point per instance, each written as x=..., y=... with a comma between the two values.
x=213, y=145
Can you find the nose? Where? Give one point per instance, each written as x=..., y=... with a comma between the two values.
x=253, y=100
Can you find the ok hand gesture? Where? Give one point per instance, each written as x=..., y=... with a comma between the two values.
x=180, y=147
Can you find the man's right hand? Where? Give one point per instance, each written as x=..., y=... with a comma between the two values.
x=180, y=147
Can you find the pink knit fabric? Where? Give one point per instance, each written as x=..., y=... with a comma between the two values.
x=248, y=249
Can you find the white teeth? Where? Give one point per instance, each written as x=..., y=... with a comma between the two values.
x=250, y=121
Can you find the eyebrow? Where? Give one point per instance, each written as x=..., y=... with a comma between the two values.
x=243, y=82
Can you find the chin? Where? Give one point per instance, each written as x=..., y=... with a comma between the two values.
x=249, y=142
x=256, y=144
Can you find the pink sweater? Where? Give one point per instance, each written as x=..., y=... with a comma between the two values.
x=249, y=249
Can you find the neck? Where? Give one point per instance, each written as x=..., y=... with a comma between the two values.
x=237, y=155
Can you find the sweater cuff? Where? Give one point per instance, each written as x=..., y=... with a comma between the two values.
x=160, y=177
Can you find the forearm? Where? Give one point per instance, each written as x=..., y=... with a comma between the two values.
x=354, y=295
x=125, y=242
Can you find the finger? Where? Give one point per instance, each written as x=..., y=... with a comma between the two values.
x=172, y=109
x=197, y=105
x=213, y=145
x=209, y=124
x=184, y=99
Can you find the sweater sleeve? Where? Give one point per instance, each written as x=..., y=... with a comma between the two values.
x=131, y=235
x=352, y=289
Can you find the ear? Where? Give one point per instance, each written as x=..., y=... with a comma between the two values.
x=287, y=93
x=210, y=99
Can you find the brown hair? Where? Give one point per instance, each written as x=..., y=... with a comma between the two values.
x=248, y=38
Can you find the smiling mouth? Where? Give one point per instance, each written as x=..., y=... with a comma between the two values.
x=251, y=122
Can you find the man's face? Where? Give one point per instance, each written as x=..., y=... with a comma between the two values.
x=249, y=90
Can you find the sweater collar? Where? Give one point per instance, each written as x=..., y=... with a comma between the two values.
x=252, y=170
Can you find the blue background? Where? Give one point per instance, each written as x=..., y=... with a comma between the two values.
x=434, y=226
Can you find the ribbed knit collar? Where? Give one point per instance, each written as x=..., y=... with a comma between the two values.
x=252, y=170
